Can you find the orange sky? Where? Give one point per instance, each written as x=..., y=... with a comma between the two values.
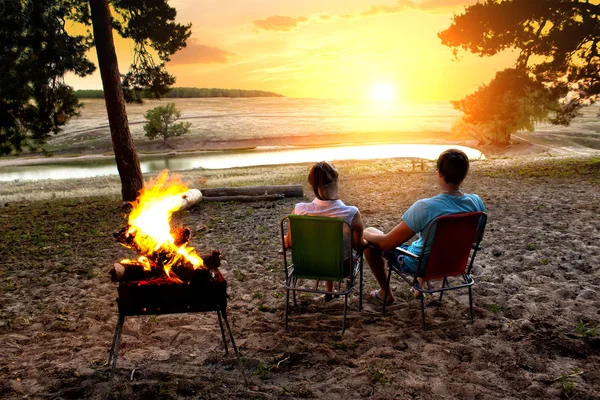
x=321, y=49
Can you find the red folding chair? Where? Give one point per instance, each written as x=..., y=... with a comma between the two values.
x=455, y=240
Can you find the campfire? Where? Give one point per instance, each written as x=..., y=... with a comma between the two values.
x=164, y=251
x=168, y=276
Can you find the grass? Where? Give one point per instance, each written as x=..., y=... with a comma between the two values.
x=239, y=275
x=566, y=383
x=40, y=235
x=584, y=330
x=549, y=168
x=342, y=344
x=377, y=375
x=495, y=308
x=258, y=295
x=263, y=371
x=531, y=246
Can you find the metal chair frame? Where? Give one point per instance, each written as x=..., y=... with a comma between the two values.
x=291, y=279
x=467, y=279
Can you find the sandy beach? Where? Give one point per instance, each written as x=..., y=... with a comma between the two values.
x=535, y=333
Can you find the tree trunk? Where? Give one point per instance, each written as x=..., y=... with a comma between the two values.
x=126, y=157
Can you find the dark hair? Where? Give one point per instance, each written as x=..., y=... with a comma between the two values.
x=453, y=164
x=320, y=175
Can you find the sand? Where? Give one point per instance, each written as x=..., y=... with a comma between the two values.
x=536, y=297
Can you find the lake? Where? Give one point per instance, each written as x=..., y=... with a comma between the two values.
x=276, y=120
x=230, y=159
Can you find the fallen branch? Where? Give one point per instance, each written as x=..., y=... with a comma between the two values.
x=246, y=199
x=285, y=190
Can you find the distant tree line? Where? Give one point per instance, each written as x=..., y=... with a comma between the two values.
x=189, y=92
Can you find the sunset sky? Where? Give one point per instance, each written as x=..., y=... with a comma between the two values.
x=322, y=49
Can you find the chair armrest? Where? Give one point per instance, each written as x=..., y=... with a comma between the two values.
x=407, y=253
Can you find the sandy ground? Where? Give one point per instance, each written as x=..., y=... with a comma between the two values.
x=537, y=301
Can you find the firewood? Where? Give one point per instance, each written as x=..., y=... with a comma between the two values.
x=184, y=271
x=134, y=272
x=286, y=190
x=190, y=199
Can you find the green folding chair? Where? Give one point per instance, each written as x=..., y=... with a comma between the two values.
x=318, y=254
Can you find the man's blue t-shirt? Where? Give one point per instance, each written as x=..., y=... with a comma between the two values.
x=422, y=212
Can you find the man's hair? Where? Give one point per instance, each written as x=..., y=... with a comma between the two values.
x=321, y=175
x=453, y=164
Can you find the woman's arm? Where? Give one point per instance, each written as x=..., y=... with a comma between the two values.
x=287, y=240
x=357, y=231
x=387, y=241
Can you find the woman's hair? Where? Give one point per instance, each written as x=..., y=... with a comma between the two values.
x=453, y=164
x=320, y=177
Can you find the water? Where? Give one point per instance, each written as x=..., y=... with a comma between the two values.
x=235, y=119
x=211, y=160
x=277, y=120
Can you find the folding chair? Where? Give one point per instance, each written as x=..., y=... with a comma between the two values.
x=454, y=241
x=318, y=254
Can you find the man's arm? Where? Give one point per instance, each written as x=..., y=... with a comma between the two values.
x=387, y=241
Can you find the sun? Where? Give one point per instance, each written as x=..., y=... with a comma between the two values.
x=383, y=92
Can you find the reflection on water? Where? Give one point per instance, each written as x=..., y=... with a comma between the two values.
x=218, y=160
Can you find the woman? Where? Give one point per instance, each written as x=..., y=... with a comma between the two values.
x=324, y=179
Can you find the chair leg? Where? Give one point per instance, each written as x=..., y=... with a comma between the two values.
x=295, y=301
x=443, y=286
x=471, y=304
x=345, y=312
x=423, y=311
x=360, y=288
x=287, y=305
x=223, y=333
x=387, y=289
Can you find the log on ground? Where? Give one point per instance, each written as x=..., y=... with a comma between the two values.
x=247, y=199
x=286, y=190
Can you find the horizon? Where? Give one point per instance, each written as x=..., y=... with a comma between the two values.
x=337, y=49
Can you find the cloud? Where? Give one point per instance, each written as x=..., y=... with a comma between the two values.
x=286, y=24
x=400, y=6
x=444, y=5
x=196, y=53
x=431, y=6
x=279, y=23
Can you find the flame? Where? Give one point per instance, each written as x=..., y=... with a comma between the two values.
x=149, y=224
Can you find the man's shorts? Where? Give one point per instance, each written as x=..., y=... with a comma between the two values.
x=396, y=258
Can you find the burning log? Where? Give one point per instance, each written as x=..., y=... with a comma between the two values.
x=286, y=190
x=135, y=271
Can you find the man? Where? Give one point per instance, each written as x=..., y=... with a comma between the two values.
x=452, y=168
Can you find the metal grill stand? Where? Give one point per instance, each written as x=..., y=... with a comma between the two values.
x=167, y=297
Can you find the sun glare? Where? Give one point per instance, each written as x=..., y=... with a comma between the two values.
x=383, y=92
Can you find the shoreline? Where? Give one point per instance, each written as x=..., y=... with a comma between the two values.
x=524, y=145
x=218, y=146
